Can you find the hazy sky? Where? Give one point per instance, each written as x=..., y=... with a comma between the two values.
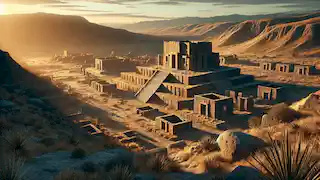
x=130, y=11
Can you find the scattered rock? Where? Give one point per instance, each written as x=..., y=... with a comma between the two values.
x=237, y=145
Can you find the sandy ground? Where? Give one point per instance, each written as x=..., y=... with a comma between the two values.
x=116, y=117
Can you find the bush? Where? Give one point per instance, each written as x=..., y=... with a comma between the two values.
x=208, y=144
x=254, y=122
x=280, y=113
x=16, y=142
x=89, y=167
x=161, y=163
x=123, y=160
x=120, y=173
x=214, y=164
x=78, y=153
x=285, y=160
x=70, y=175
x=47, y=141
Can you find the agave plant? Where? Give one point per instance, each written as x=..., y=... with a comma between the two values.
x=16, y=142
x=161, y=163
x=120, y=172
x=287, y=161
x=10, y=168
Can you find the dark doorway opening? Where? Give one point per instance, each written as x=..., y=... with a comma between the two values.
x=204, y=109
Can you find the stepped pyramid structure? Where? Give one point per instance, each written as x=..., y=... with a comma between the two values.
x=184, y=70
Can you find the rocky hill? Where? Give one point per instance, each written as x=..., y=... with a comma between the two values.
x=198, y=31
x=50, y=33
x=284, y=35
x=150, y=26
x=292, y=35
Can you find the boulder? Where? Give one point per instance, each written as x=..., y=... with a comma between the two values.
x=238, y=145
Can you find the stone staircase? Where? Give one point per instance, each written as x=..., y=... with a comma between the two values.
x=152, y=85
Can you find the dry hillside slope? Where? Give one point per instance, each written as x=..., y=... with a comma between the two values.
x=52, y=33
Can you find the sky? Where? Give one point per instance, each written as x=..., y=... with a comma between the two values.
x=117, y=12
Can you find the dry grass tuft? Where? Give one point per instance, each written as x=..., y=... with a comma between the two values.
x=160, y=163
x=120, y=172
x=208, y=144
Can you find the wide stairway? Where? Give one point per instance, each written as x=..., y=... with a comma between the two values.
x=152, y=85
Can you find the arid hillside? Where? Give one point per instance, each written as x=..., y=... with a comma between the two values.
x=293, y=36
x=199, y=31
x=289, y=35
x=49, y=33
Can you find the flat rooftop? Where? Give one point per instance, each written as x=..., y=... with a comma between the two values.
x=213, y=96
x=172, y=119
x=271, y=86
x=145, y=108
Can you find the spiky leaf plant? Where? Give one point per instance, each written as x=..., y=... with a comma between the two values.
x=10, y=168
x=161, y=163
x=120, y=172
x=16, y=142
x=287, y=161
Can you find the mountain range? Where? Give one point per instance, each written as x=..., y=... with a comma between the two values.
x=47, y=34
x=274, y=34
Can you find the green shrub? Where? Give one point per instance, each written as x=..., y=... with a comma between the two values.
x=89, y=167
x=78, y=153
x=285, y=160
x=47, y=141
x=280, y=113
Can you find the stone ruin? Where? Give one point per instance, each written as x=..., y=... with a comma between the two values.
x=173, y=124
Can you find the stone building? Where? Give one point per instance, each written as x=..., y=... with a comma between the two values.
x=213, y=105
x=305, y=70
x=240, y=101
x=184, y=70
x=186, y=55
x=102, y=86
x=245, y=103
x=268, y=66
x=172, y=124
x=271, y=92
x=229, y=59
x=284, y=67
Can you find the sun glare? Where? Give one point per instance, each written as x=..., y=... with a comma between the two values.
x=2, y=9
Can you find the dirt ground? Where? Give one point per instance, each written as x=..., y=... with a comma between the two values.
x=117, y=114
